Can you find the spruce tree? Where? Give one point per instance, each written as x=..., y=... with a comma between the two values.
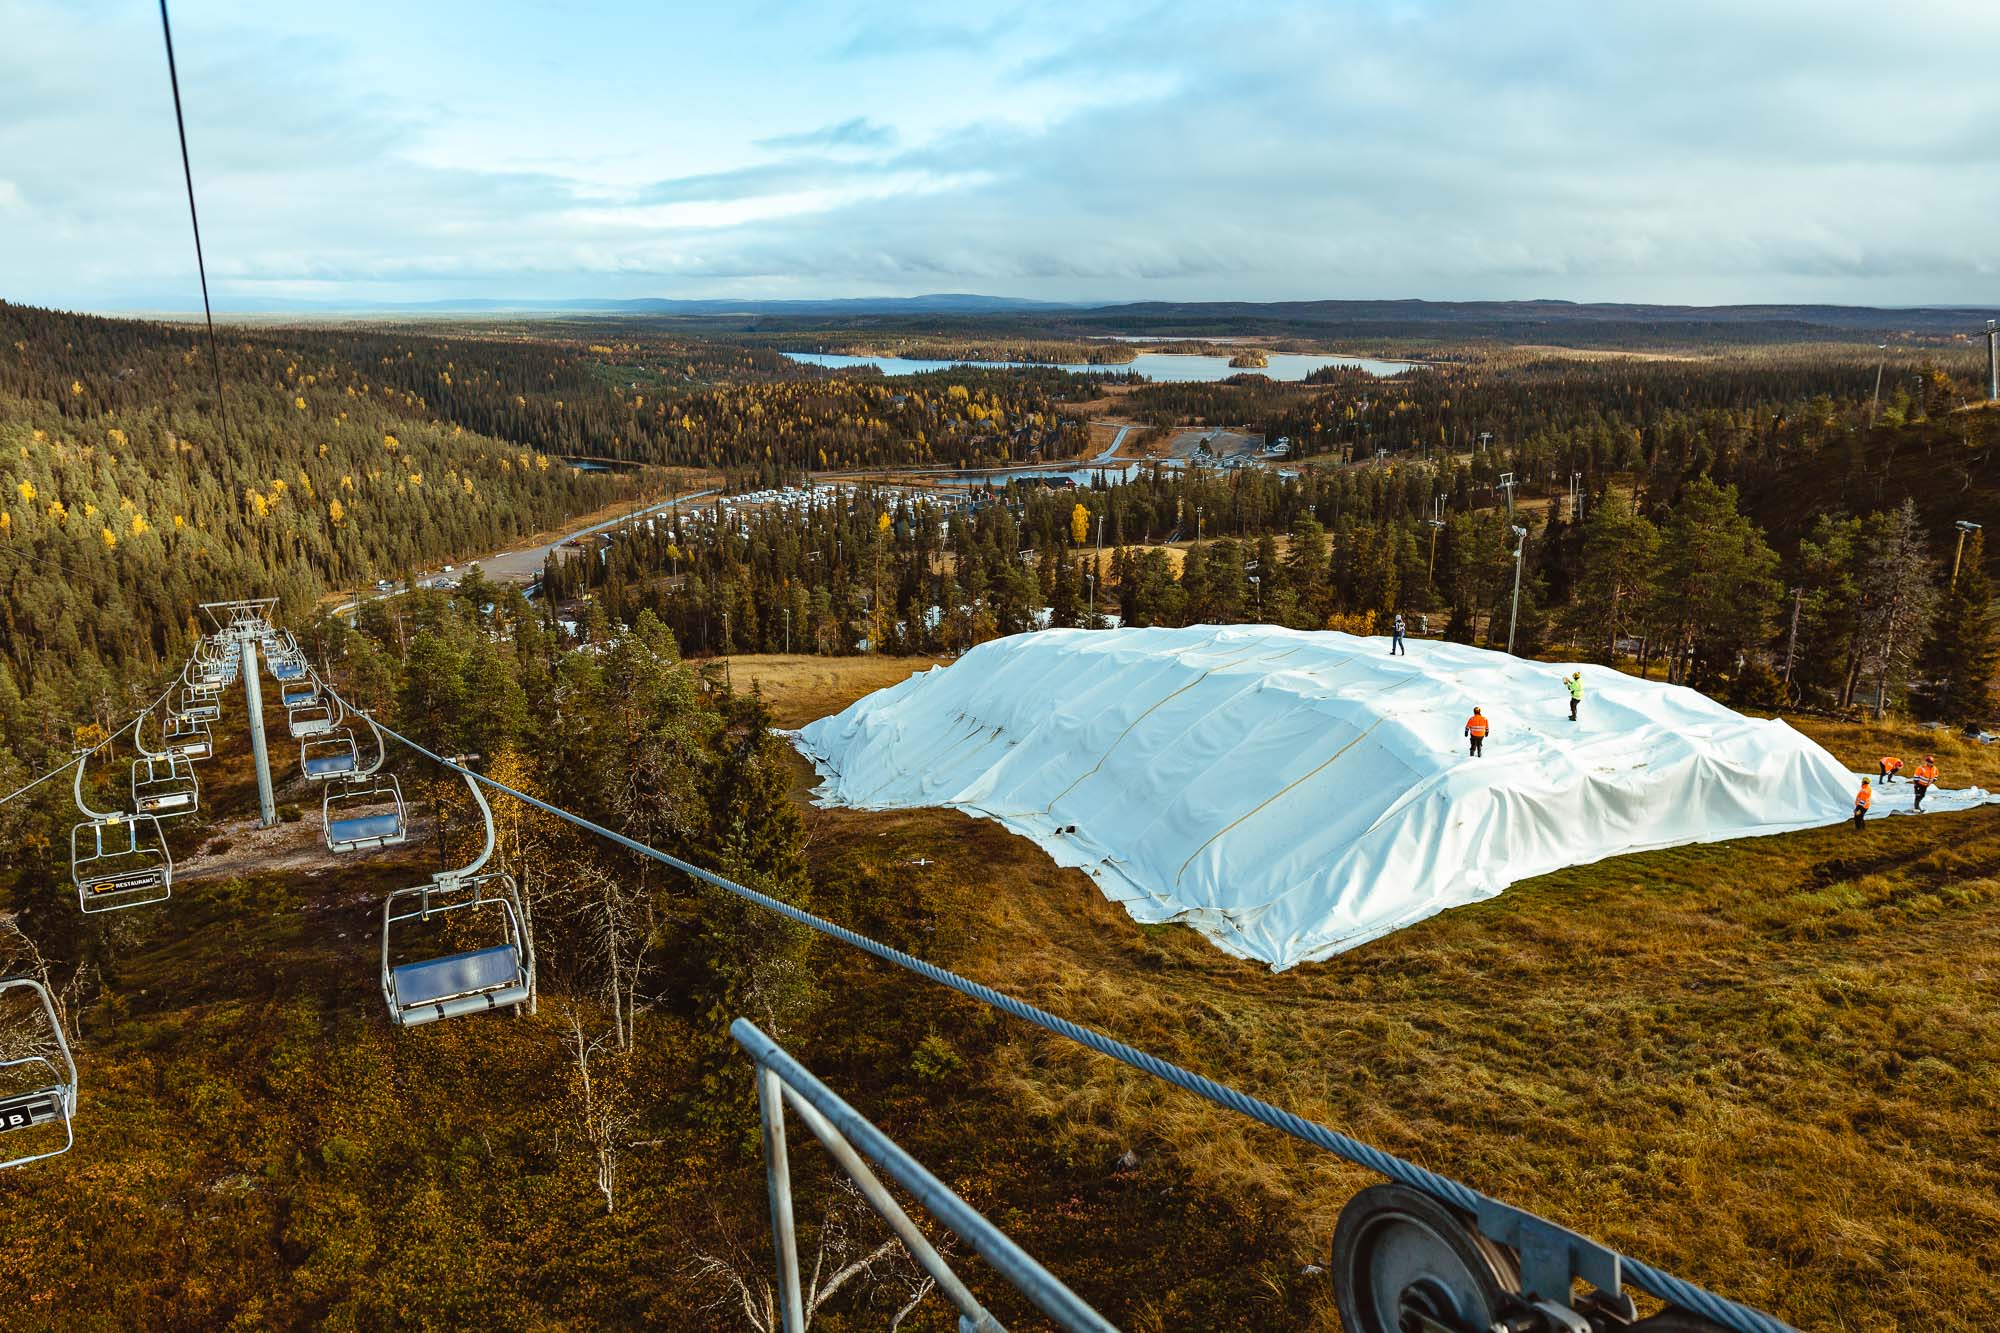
x=1963, y=652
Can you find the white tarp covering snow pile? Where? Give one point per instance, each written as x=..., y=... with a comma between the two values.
x=1293, y=794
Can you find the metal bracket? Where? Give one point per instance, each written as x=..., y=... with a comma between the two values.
x=1552, y=1257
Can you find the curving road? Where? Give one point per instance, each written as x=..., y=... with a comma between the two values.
x=523, y=566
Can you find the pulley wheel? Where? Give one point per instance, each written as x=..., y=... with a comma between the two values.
x=1399, y=1253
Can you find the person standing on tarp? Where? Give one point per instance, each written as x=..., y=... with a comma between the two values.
x=1862, y=800
x=1396, y=643
x=1476, y=727
x=1924, y=778
x=1575, y=684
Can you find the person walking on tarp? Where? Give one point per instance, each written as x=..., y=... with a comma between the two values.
x=1575, y=683
x=1891, y=766
x=1476, y=728
x=1924, y=778
x=1862, y=800
x=1396, y=643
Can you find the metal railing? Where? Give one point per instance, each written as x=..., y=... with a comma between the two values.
x=782, y=1082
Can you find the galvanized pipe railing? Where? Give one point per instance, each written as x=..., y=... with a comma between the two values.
x=849, y=1137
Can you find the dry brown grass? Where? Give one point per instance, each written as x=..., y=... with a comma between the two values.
x=800, y=688
x=1764, y=1065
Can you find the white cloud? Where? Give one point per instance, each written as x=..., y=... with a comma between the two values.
x=1695, y=152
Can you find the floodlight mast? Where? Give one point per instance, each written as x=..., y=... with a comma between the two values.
x=1964, y=526
x=1993, y=360
x=1513, y=618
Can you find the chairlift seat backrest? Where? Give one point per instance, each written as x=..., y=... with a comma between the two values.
x=309, y=722
x=32, y=1108
x=298, y=696
x=359, y=831
x=328, y=765
x=459, y=975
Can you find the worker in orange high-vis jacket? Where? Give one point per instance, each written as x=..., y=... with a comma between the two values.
x=1924, y=778
x=1862, y=800
x=1476, y=727
x=1891, y=766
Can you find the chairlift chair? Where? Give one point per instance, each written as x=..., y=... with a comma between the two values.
x=37, y=1078
x=186, y=737
x=287, y=669
x=299, y=693
x=492, y=976
x=311, y=719
x=332, y=754
x=179, y=738
x=365, y=811
x=164, y=785
x=199, y=707
x=116, y=859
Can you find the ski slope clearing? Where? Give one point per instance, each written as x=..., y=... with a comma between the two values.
x=1293, y=794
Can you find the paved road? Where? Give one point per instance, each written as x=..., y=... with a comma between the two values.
x=525, y=566
x=1112, y=452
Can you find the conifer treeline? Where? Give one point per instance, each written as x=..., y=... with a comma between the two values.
x=1672, y=563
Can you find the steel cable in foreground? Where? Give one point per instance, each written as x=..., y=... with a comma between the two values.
x=1667, y=1287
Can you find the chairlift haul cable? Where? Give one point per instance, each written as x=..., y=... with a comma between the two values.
x=201, y=266
x=1678, y=1291
x=85, y=754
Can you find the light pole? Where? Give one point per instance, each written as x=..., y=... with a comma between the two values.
x=1092, y=580
x=1964, y=526
x=1437, y=526
x=1993, y=360
x=1875, y=403
x=788, y=631
x=1521, y=537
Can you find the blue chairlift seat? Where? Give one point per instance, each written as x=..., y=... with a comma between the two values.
x=363, y=814
x=298, y=695
x=356, y=831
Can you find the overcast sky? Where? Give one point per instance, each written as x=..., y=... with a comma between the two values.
x=1702, y=151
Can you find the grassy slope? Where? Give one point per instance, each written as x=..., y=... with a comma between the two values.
x=1765, y=1066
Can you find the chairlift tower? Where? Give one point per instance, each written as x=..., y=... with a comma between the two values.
x=1506, y=483
x=247, y=621
x=1513, y=618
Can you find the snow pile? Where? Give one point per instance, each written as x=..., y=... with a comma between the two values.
x=1293, y=794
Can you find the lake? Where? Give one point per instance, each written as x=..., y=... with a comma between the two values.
x=1165, y=367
